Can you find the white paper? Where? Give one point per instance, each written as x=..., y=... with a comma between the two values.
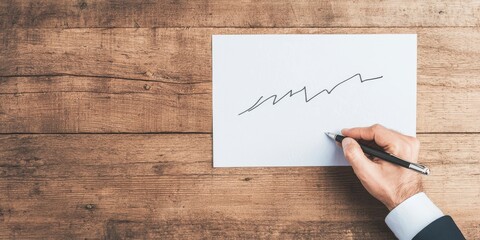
x=291, y=132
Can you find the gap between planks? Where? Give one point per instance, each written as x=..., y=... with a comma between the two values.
x=190, y=133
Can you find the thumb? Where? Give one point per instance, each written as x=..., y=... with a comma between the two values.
x=355, y=156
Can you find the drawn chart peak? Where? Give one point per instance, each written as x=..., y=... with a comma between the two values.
x=291, y=93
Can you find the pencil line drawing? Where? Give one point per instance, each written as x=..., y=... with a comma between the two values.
x=291, y=93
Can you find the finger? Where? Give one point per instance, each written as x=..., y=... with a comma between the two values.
x=378, y=133
x=355, y=156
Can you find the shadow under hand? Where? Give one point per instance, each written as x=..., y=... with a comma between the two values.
x=361, y=214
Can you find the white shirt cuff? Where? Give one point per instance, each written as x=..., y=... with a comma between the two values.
x=412, y=215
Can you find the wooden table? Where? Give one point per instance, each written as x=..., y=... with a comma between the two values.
x=106, y=121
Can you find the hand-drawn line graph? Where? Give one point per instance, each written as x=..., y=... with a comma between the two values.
x=304, y=90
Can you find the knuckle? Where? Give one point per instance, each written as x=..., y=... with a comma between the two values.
x=414, y=142
x=376, y=127
x=395, y=149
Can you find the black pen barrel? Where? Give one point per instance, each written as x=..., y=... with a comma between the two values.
x=377, y=153
x=385, y=156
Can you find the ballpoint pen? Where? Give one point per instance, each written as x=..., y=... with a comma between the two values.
x=384, y=155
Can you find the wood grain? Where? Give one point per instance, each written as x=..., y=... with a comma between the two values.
x=446, y=56
x=221, y=13
x=105, y=66
x=88, y=104
x=159, y=80
x=163, y=186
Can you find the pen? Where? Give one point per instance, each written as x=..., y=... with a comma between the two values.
x=384, y=155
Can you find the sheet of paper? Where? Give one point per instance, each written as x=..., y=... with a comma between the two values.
x=274, y=96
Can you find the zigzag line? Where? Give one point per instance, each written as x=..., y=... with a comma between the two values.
x=304, y=89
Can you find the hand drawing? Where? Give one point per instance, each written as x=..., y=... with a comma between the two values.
x=304, y=90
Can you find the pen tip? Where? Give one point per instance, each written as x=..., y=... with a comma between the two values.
x=330, y=135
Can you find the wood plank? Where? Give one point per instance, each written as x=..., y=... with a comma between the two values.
x=159, y=186
x=87, y=104
x=221, y=13
x=67, y=104
x=446, y=56
x=159, y=80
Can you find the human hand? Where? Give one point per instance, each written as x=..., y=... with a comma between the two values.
x=389, y=183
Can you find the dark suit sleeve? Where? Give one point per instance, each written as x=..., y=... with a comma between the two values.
x=443, y=228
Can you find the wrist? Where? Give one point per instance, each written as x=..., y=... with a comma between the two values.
x=399, y=197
